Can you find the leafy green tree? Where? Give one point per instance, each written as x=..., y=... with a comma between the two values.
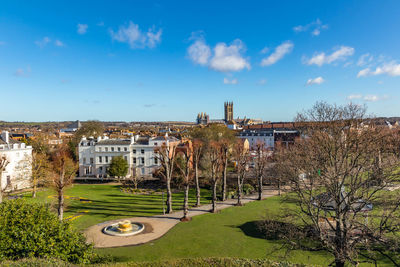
x=32, y=230
x=118, y=167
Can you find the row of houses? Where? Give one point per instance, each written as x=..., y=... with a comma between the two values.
x=95, y=154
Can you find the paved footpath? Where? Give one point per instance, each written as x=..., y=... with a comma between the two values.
x=157, y=225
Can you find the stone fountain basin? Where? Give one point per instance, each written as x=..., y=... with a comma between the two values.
x=113, y=229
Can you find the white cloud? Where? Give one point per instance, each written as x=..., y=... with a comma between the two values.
x=364, y=72
x=21, y=72
x=262, y=82
x=364, y=59
x=82, y=28
x=42, y=43
x=132, y=35
x=368, y=98
x=317, y=80
x=355, y=96
x=264, y=50
x=279, y=52
x=229, y=58
x=232, y=81
x=320, y=59
x=59, y=43
x=315, y=27
x=199, y=52
x=391, y=69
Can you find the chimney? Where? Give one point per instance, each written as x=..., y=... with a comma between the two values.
x=5, y=136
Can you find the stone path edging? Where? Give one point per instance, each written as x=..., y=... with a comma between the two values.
x=160, y=224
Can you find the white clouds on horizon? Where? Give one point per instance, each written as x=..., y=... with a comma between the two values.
x=315, y=27
x=132, y=35
x=232, y=81
x=82, y=28
x=279, y=52
x=367, y=98
x=320, y=59
x=318, y=80
x=392, y=69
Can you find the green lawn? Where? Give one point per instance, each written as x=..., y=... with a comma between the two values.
x=108, y=202
x=229, y=233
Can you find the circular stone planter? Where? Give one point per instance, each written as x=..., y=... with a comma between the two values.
x=113, y=229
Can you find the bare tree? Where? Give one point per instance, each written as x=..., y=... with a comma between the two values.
x=330, y=171
x=186, y=168
x=224, y=154
x=166, y=154
x=241, y=157
x=215, y=166
x=197, y=155
x=3, y=164
x=260, y=166
x=64, y=171
x=36, y=166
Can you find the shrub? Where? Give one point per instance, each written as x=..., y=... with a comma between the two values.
x=32, y=230
x=248, y=189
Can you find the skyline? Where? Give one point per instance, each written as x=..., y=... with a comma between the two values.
x=147, y=61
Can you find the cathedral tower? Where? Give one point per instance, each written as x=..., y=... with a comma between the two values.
x=228, y=107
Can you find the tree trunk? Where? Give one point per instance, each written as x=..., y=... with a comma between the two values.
x=224, y=180
x=214, y=197
x=169, y=196
x=185, y=202
x=1, y=189
x=239, y=198
x=197, y=185
x=60, y=205
x=339, y=263
x=34, y=189
x=260, y=187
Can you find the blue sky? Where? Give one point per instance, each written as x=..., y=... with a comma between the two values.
x=169, y=60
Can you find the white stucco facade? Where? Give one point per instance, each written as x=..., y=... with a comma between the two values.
x=18, y=171
x=95, y=155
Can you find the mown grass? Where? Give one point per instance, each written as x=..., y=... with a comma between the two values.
x=108, y=202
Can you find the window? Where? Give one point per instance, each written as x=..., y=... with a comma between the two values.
x=106, y=159
x=125, y=149
x=84, y=160
x=142, y=160
x=101, y=170
x=91, y=160
x=99, y=149
x=134, y=151
x=155, y=144
x=100, y=159
x=112, y=149
x=119, y=149
x=106, y=149
x=8, y=180
x=155, y=161
x=134, y=160
x=142, y=151
x=126, y=158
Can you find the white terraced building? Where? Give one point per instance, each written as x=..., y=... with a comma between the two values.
x=95, y=154
x=18, y=171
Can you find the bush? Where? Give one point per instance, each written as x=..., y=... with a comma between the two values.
x=248, y=189
x=32, y=230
